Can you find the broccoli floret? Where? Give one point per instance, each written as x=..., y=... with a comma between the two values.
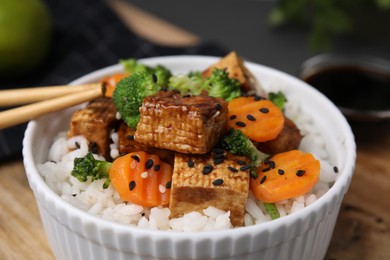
x=130, y=92
x=237, y=143
x=89, y=167
x=220, y=85
x=132, y=66
x=278, y=98
x=163, y=75
x=190, y=83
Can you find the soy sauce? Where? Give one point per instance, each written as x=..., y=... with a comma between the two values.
x=353, y=87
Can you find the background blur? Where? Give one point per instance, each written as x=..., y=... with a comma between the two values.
x=246, y=26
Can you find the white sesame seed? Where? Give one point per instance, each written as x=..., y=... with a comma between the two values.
x=162, y=188
x=118, y=116
x=144, y=175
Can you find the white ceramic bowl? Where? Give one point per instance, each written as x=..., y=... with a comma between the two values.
x=75, y=234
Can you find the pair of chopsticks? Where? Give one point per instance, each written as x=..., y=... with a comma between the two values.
x=43, y=100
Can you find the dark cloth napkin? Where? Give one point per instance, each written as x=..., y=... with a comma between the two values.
x=87, y=35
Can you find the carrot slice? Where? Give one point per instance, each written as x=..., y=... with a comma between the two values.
x=111, y=81
x=142, y=179
x=285, y=175
x=259, y=120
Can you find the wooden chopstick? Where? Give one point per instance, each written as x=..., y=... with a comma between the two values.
x=13, y=97
x=22, y=114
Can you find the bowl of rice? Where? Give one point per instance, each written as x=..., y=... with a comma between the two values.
x=84, y=221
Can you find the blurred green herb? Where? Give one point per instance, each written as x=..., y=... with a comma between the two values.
x=324, y=18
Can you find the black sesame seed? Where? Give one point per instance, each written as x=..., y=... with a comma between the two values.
x=267, y=160
x=217, y=182
x=132, y=185
x=241, y=162
x=74, y=195
x=280, y=171
x=251, y=118
x=218, y=156
x=218, y=106
x=94, y=148
x=135, y=157
x=335, y=169
x=219, y=160
x=157, y=167
x=245, y=167
x=77, y=145
x=130, y=137
x=232, y=117
x=263, y=179
x=264, y=110
x=168, y=185
x=232, y=169
x=207, y=169
x=154, y=78
x=300, y=173
x=272, y=164
x=239, y=123
x=266, y=169
x=149, y=164
x=190, y=164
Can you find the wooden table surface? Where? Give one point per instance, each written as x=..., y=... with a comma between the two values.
x=362, y=230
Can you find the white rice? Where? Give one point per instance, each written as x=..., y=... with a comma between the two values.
x=106, y=203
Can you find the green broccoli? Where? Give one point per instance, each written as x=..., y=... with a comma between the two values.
x=220, y=85
x=237, y=143
x=162, y=73
x=190, y=83
x=130, y=92
x=88, y=167
x=278, y=98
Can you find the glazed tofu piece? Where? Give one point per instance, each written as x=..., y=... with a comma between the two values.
x=127, y=144
x=288, y=139
x=95, y=123
x=236, y=68
x=218, y=180
x=186, y=124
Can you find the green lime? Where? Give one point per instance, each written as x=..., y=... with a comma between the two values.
x=25, y=27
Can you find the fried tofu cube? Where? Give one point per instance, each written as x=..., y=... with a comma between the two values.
x=233, y=64
x=221, y=181
x=95, y=123
x=127, y=144
x=186, y=124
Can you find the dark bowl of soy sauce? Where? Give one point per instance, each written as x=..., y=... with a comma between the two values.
x=358, y=85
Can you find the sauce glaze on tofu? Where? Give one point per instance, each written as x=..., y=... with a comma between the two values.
x=186, y=124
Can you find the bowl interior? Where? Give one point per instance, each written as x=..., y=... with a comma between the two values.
x=326, y=118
